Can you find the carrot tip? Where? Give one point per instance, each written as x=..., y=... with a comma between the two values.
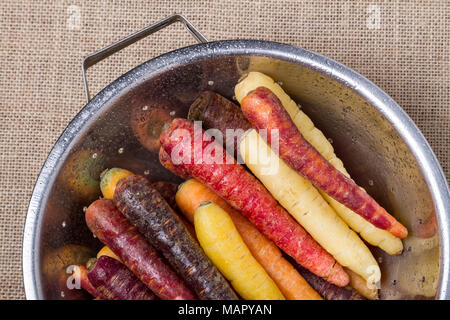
x=399, y=231
x=338, y=276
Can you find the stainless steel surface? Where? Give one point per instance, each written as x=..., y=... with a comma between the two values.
x=101, y=54
x=381, y=147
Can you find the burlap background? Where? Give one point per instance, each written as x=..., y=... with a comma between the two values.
x=405, y=51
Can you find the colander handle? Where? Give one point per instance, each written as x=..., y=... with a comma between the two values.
x=98, y=56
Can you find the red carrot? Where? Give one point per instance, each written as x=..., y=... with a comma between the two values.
x=81, y=272
x=114, y=230
x=116, y=282
x=265, y=111
x=246, y=194
x=165, y=160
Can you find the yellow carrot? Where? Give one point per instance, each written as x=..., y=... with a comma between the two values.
x=292, y=285
x=222, y=243
x=298, y=196
x=373, y=235
x=106, y=251
x=109, y=179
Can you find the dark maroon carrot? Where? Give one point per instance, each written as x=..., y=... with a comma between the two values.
x=146, y=209
x=266, y=112
x=217, y=112
x=81, y=272
x=168, y=190
x=327, y=290
x=116, y=282
x=114, y=230
x=247, y=195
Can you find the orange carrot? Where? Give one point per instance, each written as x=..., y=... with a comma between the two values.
x=189, y=196
x=265, y=111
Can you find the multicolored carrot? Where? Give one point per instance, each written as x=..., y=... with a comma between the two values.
x=147, y=210
x=304, y=202
x=293, y=192
x=116, y=282
x=109, y=179
x=246, y=194
x=189, y=196
x=264, y=110
x=114, y=230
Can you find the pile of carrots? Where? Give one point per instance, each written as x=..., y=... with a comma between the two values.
x=288, y=225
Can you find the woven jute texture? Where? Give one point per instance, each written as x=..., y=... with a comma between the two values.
x=401, y=46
